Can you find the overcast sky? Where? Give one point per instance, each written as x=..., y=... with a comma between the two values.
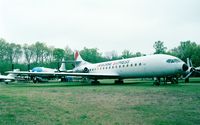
x=104, y=24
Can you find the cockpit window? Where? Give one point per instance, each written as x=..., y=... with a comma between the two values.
x=173, y=61
x=168, y=61
x=177, y=60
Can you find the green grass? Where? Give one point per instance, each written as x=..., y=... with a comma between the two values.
x=137, y=102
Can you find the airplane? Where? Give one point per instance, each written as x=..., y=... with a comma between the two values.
x=36, y=73
x=44, y=69
x=152, y=66
x=8, y=78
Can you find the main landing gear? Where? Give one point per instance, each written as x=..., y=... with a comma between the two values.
x=35, y=80
x=172, y=80
x=119, y=81
x=95, y=82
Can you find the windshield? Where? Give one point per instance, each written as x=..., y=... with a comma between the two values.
x=173, y=60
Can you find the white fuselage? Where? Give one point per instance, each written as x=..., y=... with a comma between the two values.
x=159, y=65
x=7, y=78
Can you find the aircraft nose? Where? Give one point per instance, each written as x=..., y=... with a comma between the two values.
x=185, y=67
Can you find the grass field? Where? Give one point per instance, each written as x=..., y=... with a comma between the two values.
x=137, y=102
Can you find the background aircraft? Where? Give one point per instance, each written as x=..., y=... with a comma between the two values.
x=44, y=69
x=159, y=66
x=9, y=78
x=38, y=74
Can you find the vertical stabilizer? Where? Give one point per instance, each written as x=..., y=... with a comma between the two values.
x=13, y=75
x=78, y=59
x=62, y=67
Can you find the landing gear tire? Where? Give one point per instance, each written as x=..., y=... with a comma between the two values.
x=35, y=80
x=95, y=82
x=119, y=82
x=64, y=80
x=156, y=83
x=174, y=81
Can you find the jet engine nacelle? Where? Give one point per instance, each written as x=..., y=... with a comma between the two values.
x=86, y=70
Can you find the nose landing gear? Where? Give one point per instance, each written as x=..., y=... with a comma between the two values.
x=172, y=80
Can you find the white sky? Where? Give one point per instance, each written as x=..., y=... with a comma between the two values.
x=105, y=24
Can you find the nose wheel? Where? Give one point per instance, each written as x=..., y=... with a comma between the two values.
x=157, y=81
x=172, y=80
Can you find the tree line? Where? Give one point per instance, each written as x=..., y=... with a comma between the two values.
x=39, y=54
x=186, y=49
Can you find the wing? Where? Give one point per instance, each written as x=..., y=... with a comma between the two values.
x=31, y=73
x=2, y=77
x=90, y=75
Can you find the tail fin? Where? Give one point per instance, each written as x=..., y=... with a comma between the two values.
x=13, y=75
x=62, y=67
x=78, y=59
